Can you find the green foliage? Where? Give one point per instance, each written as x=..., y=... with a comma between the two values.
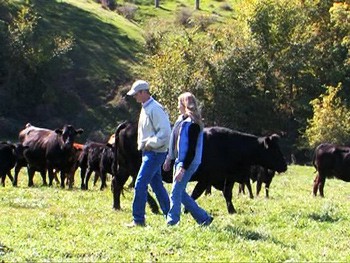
x=182, y=62
x=32, y=60
x=74, y=55
x=331, y=119
x=254, y=65
x=49, y=224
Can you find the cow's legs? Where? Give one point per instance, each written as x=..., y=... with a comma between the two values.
x=10, y=176
x=258, y=187
x=43, y=176
x=63, y=178
x=322, y=181
x=3, y=177
x=15, y=179
x=103, y=180
x=267, y=187
x=51, y=176
x=199, y=190
x=87, y=177
x=249, y=186
x=316, y=184
x=118, y=181
x=82, y=176
x=227, y=191
x=97, y=175
x=152, y=203
x=55, y=171
x=31, y=172
x=70, y=177
x=241, y=189
x=208, y=190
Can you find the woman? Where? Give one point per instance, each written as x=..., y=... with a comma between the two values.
x=185, y=148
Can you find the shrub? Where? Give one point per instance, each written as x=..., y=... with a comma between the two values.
x=331, y=119
x=127, y=10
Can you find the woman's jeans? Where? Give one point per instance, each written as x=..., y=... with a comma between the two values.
x=149, y=173
x=179, y=195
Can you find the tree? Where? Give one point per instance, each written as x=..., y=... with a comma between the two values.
x=331, y=119
x=33, y=58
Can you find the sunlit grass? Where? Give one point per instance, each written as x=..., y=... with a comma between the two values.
x=53, y=224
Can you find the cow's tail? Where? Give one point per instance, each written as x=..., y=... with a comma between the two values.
x=314, y=161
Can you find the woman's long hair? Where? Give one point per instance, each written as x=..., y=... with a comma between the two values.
x=189, y=101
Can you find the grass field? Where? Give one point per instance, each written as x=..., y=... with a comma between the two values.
x=43, y=224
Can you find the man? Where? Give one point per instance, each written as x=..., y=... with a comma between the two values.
x=153, y=140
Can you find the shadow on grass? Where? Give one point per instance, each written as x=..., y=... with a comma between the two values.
x=324, y=217
x=255, y=236
x=246, y=234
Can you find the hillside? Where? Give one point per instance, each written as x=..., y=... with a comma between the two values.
x=86, y=87
x=105, y=49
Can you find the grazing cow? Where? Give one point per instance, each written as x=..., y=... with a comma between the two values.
x=330, y=161
x=96, y=157
x=7, y=160
x=48, y=150
x=127, y=162
x=260, y=175
x=227, y=157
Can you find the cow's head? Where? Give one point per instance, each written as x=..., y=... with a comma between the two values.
x=68, y=134
x=271, y=155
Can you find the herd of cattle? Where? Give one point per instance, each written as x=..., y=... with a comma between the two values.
x=228, y=157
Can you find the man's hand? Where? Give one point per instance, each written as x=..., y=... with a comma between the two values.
x=179, y=174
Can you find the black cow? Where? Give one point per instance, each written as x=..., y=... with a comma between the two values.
x=99, y=158
x=7, y=160
x=259, y=175
x=330, y=161
x=127, y=162
x=48, y=150
x=227, y=157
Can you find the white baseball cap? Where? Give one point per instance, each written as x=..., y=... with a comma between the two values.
x=137, y=86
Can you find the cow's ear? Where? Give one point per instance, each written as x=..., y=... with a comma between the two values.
x=79, y=131
x=59, y=131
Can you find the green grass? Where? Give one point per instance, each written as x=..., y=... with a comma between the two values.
x=52, y=224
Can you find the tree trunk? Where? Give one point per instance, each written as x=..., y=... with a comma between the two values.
x=156, y=3
x=197, y=5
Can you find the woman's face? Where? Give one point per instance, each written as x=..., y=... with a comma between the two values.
x=181, y=107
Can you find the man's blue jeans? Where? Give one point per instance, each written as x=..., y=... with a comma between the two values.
x=150, y=173
x=179, y=195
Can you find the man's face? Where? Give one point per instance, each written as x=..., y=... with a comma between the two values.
x=139, y=96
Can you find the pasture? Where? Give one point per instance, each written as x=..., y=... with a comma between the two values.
x=43, y=224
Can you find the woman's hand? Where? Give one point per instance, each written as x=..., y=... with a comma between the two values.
x=179, y=174
x=167, y=165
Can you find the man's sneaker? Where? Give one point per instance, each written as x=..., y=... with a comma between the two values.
x=135, y=224
x=208, y=221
